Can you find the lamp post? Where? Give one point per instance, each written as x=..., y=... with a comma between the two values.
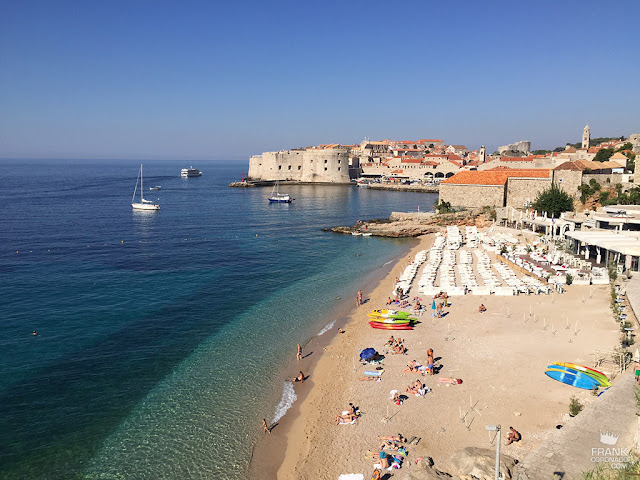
x=496, y=428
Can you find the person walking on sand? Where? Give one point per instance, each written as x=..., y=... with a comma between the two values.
x=266, y=427
x=299, y=354
x=359, y=298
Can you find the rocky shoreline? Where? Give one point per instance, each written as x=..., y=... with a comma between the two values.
x=400, y=225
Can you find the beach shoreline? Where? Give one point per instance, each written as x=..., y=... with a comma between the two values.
x=269, y=452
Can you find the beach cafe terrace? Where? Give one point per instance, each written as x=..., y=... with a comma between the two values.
x=620, y=249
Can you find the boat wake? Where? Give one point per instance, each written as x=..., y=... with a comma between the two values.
x=288, y=397
x=327, y=328
x=387, y=263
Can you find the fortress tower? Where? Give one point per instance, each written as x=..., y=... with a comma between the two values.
x=586, y=137
x=483, y=155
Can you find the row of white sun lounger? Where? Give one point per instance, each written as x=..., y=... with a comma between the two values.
x=406, y=279
x=442, y=264
x=454, y=239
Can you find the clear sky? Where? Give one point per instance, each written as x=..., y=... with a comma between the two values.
x=224, y=80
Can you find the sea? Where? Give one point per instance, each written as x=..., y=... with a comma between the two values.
x=163, y=337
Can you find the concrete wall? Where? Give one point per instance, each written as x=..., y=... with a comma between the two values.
x=331, y=165
x=521, y=190
x=473, y=195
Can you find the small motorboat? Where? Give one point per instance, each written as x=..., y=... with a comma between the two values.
x=157, y=187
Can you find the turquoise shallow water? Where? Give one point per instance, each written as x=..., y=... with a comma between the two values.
x=161, y=335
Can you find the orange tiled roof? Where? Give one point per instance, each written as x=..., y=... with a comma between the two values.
x=496, y=176
x=430, y=140
x=569, y=166
x=516, y=159
x=411, y=160
x=396, y=171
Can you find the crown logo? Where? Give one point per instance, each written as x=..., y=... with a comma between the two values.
x=608, y=438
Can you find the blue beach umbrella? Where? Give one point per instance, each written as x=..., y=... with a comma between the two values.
x=433, y=305
x=367, y=353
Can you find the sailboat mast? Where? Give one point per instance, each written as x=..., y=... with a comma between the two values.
x=141, y=184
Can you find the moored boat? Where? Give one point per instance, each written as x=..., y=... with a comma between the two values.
x=143, y=204
x=277, y=197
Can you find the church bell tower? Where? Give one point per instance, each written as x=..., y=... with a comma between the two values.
x=586, y=137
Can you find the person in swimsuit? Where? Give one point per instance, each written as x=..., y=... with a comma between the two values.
x=430, y=361
x=347, y=418
x=266, y=427
x=513, y=436
x=299, y=378
x=482, y=308
x=299, y=354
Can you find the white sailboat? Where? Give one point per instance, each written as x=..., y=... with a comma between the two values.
x=144, y=204
x=277, y=197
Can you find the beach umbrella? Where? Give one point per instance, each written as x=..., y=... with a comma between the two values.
x=367, y=353
x=433, y=305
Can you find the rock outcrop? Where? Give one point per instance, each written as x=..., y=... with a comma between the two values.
x=415, y=224
x=480, y=463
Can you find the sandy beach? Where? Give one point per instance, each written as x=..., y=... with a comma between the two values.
x=500, y=356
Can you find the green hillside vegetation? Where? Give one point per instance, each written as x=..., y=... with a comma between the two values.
x=596, y=141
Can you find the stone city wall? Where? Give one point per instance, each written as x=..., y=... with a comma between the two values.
x=521, y=190
x=568, y=180
x=472, y=195
x=523, y=146
x=314, y=166
x=606, y=179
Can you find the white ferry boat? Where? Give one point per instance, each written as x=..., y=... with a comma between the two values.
x=190, y=172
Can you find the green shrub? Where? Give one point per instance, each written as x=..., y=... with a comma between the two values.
x=569, y=279
x=575, y=407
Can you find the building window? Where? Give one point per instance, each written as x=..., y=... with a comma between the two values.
x=325, y=169
x=299, y=167
x=338, y=168
x=279, y=167
x=339, y=161
x=289, y=167
x=325, y=161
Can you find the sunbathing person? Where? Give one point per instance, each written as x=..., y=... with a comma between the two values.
x=347, y=418
x=414, y=388
x=482, y=308
x=384, y=461
x=399, y=350
x=299, y=378
x=394, y=438
x=412, y=366
x=513, y=436
x=391, y=341
x=390, y=445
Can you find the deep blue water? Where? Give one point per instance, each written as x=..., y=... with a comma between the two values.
x=160, y=333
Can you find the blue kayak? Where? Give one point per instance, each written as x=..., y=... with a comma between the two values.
x=577, y=379
x=601, y=382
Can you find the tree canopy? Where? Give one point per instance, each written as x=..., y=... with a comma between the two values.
x=603, y=155
x=554, y=201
